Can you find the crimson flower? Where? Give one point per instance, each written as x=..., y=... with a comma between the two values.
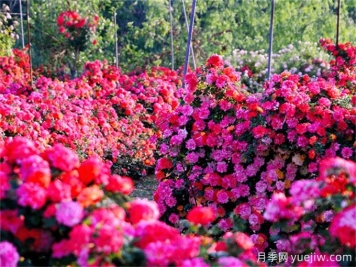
x=201, y=215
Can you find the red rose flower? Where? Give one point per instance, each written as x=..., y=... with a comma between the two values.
x=90, y=169
x=142, y=209
x=60, y=20
x=191, y=81
x=148, y=232
x=18, y=149
x=120, y=184
x=164, y=163
x=201, y=215
x=259, y=131
x=215, y=61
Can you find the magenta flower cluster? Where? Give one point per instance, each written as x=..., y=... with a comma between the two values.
x=319, y=215
x=231, y=150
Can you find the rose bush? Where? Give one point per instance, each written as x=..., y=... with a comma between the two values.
x=15, y=71
x=103, y=112
x=77, y=29
x=79, y=117
x=79, y=34
x=56, y=211
x=230, y=150
x=319, y=216
x=156, y=89
x=239, y=166
x=315, y=220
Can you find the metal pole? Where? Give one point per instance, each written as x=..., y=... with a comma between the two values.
x=338, y=22
x=190, y=34
x=270, y=40
x=21, y=19
x=14, y=13
x=171, y=22
x=116, y=48
x=29, y=38
x=191, y=45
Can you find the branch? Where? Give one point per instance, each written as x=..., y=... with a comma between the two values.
x=221, y=33
x=32, y=25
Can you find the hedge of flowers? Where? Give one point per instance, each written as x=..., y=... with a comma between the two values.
x=230, y=150
x=103, y=112
x=15, y=71
x=342, y=67
x=157, y=90
x=240, y=167
x=56, y=211
x=78, y=116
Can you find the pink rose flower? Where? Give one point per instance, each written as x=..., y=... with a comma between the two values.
x=69, y=213
x=31, y=195
x=9, y=257
x=62, y=158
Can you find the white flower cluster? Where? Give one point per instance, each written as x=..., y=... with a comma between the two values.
x=301, y=58
x=8, y=35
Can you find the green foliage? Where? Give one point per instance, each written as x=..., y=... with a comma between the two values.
x=224, y=25
x=220, y=26
x=302, y=58
x=51, y=49
x=7, y=31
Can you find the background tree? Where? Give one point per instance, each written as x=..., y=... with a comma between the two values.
x=221, y=26
x=8, y=35
x=224, y=25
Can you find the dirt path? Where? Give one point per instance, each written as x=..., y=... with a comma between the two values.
x=145, y=187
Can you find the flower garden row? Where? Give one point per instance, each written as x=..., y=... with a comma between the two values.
x=251, y=172
x=104, y=112
x=56, y=211
x=225, y=148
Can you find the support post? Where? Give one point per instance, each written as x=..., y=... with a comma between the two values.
x=338, y=22
x=190, y=34
x=21, y=21
x=270, y=49
x=191, y=45
x=116, y=48
x=29, y=37
x=171, y=23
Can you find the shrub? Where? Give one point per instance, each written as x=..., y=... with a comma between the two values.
x=7, y=31
x=15, y=71
x=230, y=150
x=302, y=58
x=103, y=112
x=324, y=223
x=56, y=211
x=78, y=31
